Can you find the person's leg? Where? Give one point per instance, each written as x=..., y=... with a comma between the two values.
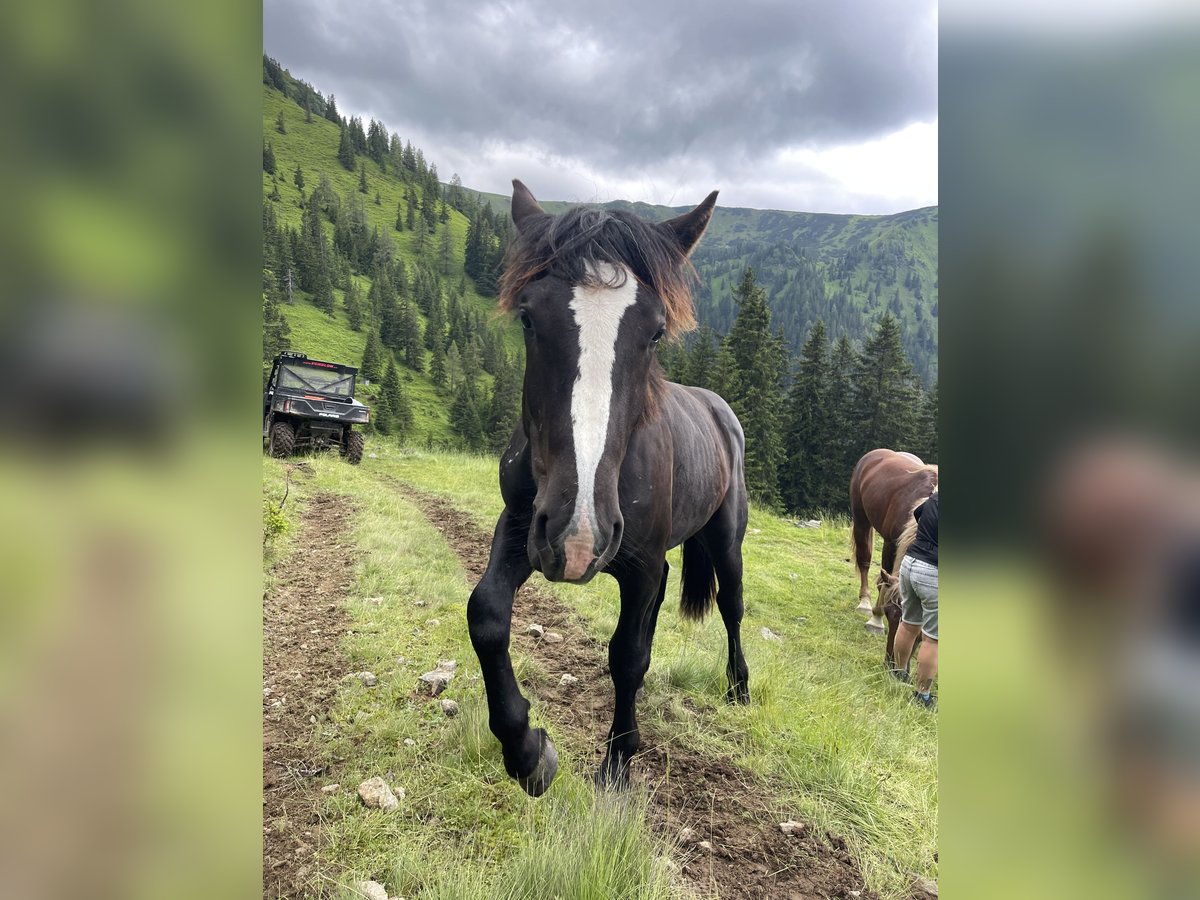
x=927, y=664
x=910, y=618
x=905, y=638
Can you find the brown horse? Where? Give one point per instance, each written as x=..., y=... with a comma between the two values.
x=884, y=490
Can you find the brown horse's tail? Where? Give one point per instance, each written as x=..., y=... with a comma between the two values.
x=699, y=582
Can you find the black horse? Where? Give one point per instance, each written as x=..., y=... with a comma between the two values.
x=611, y=465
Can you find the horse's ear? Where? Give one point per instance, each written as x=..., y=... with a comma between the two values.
x=690, y=226
x=524, y=206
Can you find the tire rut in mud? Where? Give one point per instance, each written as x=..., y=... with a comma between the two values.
x=724, y=804
x=304, y=619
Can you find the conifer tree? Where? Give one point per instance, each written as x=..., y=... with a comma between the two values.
x=362, y=177
x=372, y=357
x=275, y=329
x=410, y=339
x=437, y=367
x=757, y=357
x=506, y=401
x=699, y=367
x=346, y=151
x=928, y=442
x=885, y=391
x=353, y=301
x=298, y=180
x=323, y=293
x=307, y=109
x=399, y=217
x=435, y=325
x=280, y=125
x=378, y=199
x=331, y=111
x=466, y=416
x=397, y=402
x=806, y=441
x=268, y=158
x=846, y=442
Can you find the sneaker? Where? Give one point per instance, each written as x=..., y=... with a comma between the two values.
x=927, y=700
x=899, y=674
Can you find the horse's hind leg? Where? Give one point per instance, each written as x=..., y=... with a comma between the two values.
x=863, y=538
x=529, y=756
x=722, y=539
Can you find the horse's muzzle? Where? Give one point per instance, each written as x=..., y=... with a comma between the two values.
x=574, y=557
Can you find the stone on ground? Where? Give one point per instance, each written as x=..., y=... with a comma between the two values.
x=438, y=679
x=331, y=789
x=688, y=835
x=568, y=680
x=924, y=888
x=791, y=826
x=768, y=634
x=450, y=708
x=375, y=793
x=553, y=637
x=371, y=890
x=536, y=630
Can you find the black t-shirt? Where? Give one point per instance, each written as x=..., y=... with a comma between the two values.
x=924, y=545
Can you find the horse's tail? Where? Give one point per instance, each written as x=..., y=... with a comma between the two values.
x=699, y=581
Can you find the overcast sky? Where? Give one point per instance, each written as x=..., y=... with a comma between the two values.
x=815, y=105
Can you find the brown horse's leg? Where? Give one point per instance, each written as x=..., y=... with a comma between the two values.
x=529, y=756
x=863, y=537
x=628, y=660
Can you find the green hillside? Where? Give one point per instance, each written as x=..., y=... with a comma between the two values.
x=845, y=269
x=313, y=147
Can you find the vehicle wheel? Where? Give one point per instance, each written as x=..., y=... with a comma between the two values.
x=353, y=451
x=283, y=440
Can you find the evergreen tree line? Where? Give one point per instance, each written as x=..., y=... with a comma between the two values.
x=806, y=428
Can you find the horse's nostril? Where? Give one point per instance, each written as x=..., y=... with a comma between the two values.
x=539, y=528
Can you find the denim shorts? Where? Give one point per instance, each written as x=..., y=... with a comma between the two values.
x=918, y=595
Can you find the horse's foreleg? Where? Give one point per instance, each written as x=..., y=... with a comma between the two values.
x=529, y=756
x=652, y=620
x=628, y=660
x=863, y=538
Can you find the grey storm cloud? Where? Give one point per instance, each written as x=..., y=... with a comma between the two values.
x=628, y=87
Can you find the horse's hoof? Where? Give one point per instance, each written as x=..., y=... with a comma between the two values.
x=538, y=781
x=876, y=625
x=611, y=777
x=865, y=605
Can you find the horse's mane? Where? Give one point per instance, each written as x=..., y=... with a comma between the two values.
x=571, y=244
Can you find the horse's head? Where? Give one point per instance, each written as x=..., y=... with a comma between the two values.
x=595, y=291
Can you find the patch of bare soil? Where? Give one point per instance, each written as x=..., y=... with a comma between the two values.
x=730, y=808
x=303, y=623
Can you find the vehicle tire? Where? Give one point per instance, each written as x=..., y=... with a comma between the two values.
x=282, y=440
x=353, y=451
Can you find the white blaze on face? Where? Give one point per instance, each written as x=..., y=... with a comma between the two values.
x=598, y=312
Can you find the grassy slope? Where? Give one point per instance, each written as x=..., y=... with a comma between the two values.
x=854, y=755
x=313, y=147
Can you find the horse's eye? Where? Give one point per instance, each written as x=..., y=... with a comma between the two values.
x=526, y=322
x=658, y=335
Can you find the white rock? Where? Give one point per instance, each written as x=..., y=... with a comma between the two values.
x=925, y=885
x=331, y=789
x=434, y=623
x=809, y=523
x=706, y=846
x=418, y=603
x=450, y=708
x=371, y=890
x=409, y=742
x=368, y=679
x=553, y=637
x=536, y=630
x=791, y=826
x=447, y=665
x=688, y=835
x=376, y=794
x=568, y=680
x=768, y=634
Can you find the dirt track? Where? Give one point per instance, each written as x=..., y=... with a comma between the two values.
x=751, y=857
x=304, y=619
x=303, y=622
